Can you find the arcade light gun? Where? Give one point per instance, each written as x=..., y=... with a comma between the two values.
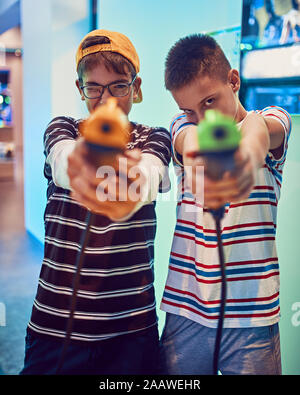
x=106, y=133
x=219, y=138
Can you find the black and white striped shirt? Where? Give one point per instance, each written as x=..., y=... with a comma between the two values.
x=116, y=293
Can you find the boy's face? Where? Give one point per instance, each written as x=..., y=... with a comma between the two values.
x=206, y=93
x=101, y=76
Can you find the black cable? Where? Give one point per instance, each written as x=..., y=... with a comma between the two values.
x=76, y=281
x=218, y=215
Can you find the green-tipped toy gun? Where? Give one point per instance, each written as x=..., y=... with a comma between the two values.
x=219, y=138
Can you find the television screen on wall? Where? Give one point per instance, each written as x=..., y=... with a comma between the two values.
x=5, y=100
x=270, y=54
x=268, y=23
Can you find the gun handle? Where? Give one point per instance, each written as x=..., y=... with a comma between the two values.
x=102, y=156
x=217, y=163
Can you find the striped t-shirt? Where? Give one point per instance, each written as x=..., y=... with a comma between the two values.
x=193, y=286
x=116, y=294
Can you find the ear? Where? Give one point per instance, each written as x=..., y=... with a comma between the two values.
x=79, y=89
x=136, y=87
x=81, y=127
x=234, y=80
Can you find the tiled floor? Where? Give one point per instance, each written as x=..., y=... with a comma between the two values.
x=20, y=262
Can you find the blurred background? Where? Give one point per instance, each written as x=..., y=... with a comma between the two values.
x=38, y=41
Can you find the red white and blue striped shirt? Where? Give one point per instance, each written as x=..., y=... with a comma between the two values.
x=193, y=284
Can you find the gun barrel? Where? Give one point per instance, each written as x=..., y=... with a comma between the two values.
x=106, y=132
x=218, y=137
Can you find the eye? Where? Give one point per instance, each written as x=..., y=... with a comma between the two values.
x=119, y=85
x=191, y=116
x=92, y=89
x=119, y=89
x=188, y=112
x=209, y=101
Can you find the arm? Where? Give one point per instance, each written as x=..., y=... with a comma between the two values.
x=59, y=141
x=130, y=181
x=58, y=161
x=150, y=165
x=110, y=195
x=152, y=173
x=259, y=136
x=144, y=171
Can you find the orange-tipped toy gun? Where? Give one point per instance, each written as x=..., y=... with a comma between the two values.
x=106, y=132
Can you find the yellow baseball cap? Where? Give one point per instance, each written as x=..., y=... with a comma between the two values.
x=117, y=42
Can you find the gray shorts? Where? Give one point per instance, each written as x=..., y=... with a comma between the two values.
x=187, y=347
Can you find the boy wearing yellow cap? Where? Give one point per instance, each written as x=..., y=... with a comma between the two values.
x=114, y=329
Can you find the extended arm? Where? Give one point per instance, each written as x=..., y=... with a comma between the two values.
x=259, y=136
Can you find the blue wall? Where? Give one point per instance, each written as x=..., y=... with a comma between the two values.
x=36, y=37
x=49, y=45
x=288, y=247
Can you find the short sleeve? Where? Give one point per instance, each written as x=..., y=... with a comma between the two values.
x=177, y=126
x=283, y=117
x=60, y=128
x=158, y=143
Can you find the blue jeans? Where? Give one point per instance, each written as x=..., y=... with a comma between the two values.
x=136, y=353
x=187, y=347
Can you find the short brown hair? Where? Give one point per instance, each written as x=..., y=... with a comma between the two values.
x=194, y=55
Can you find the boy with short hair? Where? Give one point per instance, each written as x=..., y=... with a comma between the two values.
x=200, y=78
x=115, y=324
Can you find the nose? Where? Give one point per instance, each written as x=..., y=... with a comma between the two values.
x=198, y=116
x=105, y=96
